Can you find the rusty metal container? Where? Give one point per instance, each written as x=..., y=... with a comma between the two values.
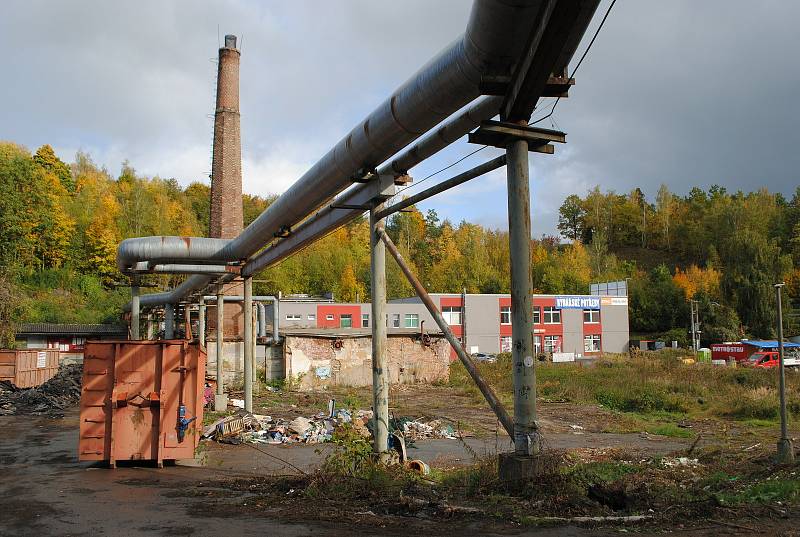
x=28, y=368
x=141, y=400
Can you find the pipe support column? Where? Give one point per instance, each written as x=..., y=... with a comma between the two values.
x=135, y=313
x=201, y=322
x=380, y=378
x=220, y=399
x=248, y=344
x=526, y=435
x=169, y=321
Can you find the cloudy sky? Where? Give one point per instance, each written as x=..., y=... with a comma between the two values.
x=681, y=92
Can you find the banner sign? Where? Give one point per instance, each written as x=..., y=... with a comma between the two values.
x=614, y=300
x=578, y=302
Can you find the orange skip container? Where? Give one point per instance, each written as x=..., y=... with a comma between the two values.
x=141, y=400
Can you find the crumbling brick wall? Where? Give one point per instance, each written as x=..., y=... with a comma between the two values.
x=314, y=362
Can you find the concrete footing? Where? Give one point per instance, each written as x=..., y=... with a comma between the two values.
x=785, y=451
x=515, y=470
x=220, y=402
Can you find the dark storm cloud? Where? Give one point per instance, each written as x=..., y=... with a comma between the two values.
x=680, y=92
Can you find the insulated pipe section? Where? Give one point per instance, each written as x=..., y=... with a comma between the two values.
x=329, y=218
x=495, y=35
x=169, y=250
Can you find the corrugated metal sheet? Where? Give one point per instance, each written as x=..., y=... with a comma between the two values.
x=28, y=368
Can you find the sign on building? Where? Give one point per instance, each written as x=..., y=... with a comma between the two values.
x=578, y=302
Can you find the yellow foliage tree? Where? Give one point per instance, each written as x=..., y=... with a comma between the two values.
x=695, y=279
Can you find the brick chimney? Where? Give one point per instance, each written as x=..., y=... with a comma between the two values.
x=226, y=219
x=226, y=165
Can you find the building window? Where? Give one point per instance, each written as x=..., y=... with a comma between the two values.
x=591, y=316
x=505, y=343
x=537, y=315
x=552, y=315
x=505, y=315
x=537, y=344
x=346, y=321
x=312, y=316
x=329, y=317
x=551, y=343
x=452, y=315
x=365, y=320
x=293, y=316
x=78, y=341
x=395, y=320
x=591, y=343
x=412, y=320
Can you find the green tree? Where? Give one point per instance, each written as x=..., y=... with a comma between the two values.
x=46, y=158
x=570, y=218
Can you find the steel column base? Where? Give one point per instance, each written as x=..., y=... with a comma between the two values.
x=517, y=470
x=785, y=451
x=220, y=402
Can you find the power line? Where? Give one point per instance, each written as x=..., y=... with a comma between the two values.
x=583, y=56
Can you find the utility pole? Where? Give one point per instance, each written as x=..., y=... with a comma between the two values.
x=785, y=447
x=201, y=322
x=464, y=319
x=169, y=321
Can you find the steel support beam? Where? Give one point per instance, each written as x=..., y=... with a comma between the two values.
x=380, y=373
x=526, y=435
x=169, y=321
x=248, y=344
x=135, y=313
x=469, y=363
x=461, y=178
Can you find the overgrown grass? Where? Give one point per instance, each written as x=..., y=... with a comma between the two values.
x=657, y=385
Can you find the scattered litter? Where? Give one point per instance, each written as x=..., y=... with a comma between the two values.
x=679, y=461
x=239, y=403
x=754, y=446
x=417, y=429
x=419, y=466
x=61, y=391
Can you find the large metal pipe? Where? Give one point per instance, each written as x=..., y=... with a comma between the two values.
x=168, y=250
x=330, y=218
x=469, y=363
x=380, y=373
x=526, y=435
x=495, y=36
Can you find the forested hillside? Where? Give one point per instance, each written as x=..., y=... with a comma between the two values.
x=61, y=224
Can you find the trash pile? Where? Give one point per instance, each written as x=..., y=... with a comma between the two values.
x=244, y=426
x=261, y=429
x=418, y=429
x=61, y=391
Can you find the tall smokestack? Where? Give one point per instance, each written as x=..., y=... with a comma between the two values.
x=226, y=166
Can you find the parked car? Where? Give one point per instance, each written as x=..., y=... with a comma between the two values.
x=483, y=357
x=769, y=359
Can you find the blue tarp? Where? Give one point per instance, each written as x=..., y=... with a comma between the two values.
x=769, y=344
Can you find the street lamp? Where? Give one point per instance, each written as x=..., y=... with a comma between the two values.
x=785, y=447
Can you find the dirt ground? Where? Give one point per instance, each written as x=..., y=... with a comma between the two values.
x=44, y=490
